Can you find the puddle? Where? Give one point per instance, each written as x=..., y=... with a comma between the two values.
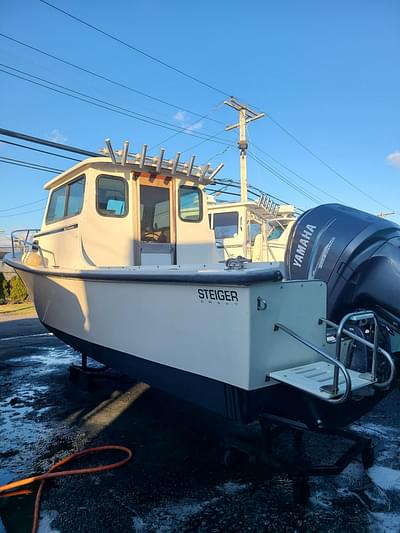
x=46, y=520
x=385, y=522
x=19, y=337
x=168, y=518
x=386, y=478
x=25, y=398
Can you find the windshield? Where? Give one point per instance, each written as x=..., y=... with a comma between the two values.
x=277, y=230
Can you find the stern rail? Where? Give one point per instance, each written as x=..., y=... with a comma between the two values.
x=333, y=389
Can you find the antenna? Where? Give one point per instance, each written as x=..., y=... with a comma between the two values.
x=246, y=115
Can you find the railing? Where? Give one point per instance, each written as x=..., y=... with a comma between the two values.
x=333, y=389
x=358, y=316
x=337, y=364
x=24, y=244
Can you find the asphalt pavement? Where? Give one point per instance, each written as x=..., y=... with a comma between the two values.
x=178, y=480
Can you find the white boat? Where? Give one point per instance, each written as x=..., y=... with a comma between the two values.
x=125, y=269
x=257, y=229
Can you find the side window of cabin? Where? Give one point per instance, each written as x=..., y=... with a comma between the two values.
x=226, y=225
x=112, y=196
x=75, y=197
x=66, y=201
x=190, y=204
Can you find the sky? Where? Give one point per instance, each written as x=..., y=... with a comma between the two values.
x=325, y=73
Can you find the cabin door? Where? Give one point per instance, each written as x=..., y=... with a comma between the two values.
x=157, y=221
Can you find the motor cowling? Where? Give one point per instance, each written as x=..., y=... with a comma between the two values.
x=357, y=254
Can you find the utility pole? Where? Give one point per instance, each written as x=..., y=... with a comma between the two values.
x=246, y=115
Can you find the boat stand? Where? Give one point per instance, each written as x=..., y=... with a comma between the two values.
x=88, y=375
x=258, y=449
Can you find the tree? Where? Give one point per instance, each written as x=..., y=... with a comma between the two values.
x=4, y=290
x=18, y=292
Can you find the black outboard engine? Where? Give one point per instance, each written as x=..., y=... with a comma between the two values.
x=355, y=253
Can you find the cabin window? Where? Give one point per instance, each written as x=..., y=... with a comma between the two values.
x=66, y=201
x=155, y=223
x=276, y=232
x=112, y=196
x=226, y=224
x=75, y=197
x=190, y=204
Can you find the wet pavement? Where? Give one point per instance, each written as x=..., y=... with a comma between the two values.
x=177, y=480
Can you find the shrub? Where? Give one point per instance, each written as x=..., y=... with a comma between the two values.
x=4, y=291
x=18, y=292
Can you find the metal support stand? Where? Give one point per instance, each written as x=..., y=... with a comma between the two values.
x=259, y=449
x=88, y=375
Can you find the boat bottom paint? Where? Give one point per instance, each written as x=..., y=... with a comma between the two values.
x=227, y=400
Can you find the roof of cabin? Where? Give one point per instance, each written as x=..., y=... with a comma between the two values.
x=141, y=162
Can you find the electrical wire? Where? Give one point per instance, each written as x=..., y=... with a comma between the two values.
x=23, y=213
x=302, y=178
x=106, y=105
x=45, y=142
x=327, y=165
x=206, y=140
x=284, y=178
x=216, y=89
x=136, y=49
x=22, y=205
x=227, y=182
x=110, y=80
x=188, y=128
x=29, y=164
x=39, y=150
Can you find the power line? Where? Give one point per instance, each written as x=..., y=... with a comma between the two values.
x=214, y=88
x=302, y=178
x=284, y=178
x=254, y=190
x=327, y=165
x=28, y=164
x=23, y=205
x=45, y=142
x=109, y=80
x=189, y=126
x=23, y=213
x=206, y=140
x=39, y=150
x=135, y=49
x=104, y=104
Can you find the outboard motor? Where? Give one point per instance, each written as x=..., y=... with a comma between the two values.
x=355, y=253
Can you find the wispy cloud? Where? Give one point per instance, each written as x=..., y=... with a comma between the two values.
x=57, y=136
x=182, y=119
x=394, y=158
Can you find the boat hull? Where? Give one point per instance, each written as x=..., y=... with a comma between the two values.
x=210, y=342
x=226, y=400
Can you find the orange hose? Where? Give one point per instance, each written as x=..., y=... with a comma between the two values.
x=51, y=474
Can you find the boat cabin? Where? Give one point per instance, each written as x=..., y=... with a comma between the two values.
x=132, y=211
x=258, y=230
